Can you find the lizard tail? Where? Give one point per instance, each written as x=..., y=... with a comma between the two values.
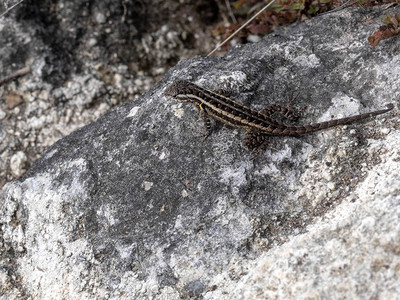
x=302, y=129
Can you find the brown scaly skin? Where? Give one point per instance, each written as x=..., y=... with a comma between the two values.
x=258, y=124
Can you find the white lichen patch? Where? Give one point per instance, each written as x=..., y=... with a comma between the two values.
x=178, y=110
x=147, y=185
x=307, y=61
x=234, y=175
x=342, y=106
x=237, y=76
x=107, y=214
x=133, y=112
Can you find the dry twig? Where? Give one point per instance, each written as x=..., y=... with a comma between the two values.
x=10, y=8
x=241, y=27
x=16, y=74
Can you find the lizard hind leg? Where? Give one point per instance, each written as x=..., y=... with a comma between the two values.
x=294, y=113
x=285, y=111
x=256, y=141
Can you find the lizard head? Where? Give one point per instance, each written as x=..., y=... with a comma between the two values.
x=176, y=88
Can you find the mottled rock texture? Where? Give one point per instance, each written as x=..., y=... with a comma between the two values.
x=77, y=59
x=135, y=205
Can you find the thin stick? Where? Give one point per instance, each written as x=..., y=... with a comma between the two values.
x=228, y=5
x=241, y=27
x=8, y=9
x=16, y=74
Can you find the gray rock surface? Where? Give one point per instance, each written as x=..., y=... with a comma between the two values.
x=134, y=205
x=77, y=59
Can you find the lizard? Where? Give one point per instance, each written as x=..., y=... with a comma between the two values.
x=258, y=124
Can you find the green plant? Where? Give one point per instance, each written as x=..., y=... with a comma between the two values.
x=390, y=29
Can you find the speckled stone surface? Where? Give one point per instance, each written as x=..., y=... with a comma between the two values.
x=135, y=205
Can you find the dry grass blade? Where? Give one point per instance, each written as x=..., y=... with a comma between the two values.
x=16, y=74
x=10, y=8
x=241, y=27
x=228, y=6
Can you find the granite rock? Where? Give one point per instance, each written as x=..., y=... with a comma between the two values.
x=135, y=205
